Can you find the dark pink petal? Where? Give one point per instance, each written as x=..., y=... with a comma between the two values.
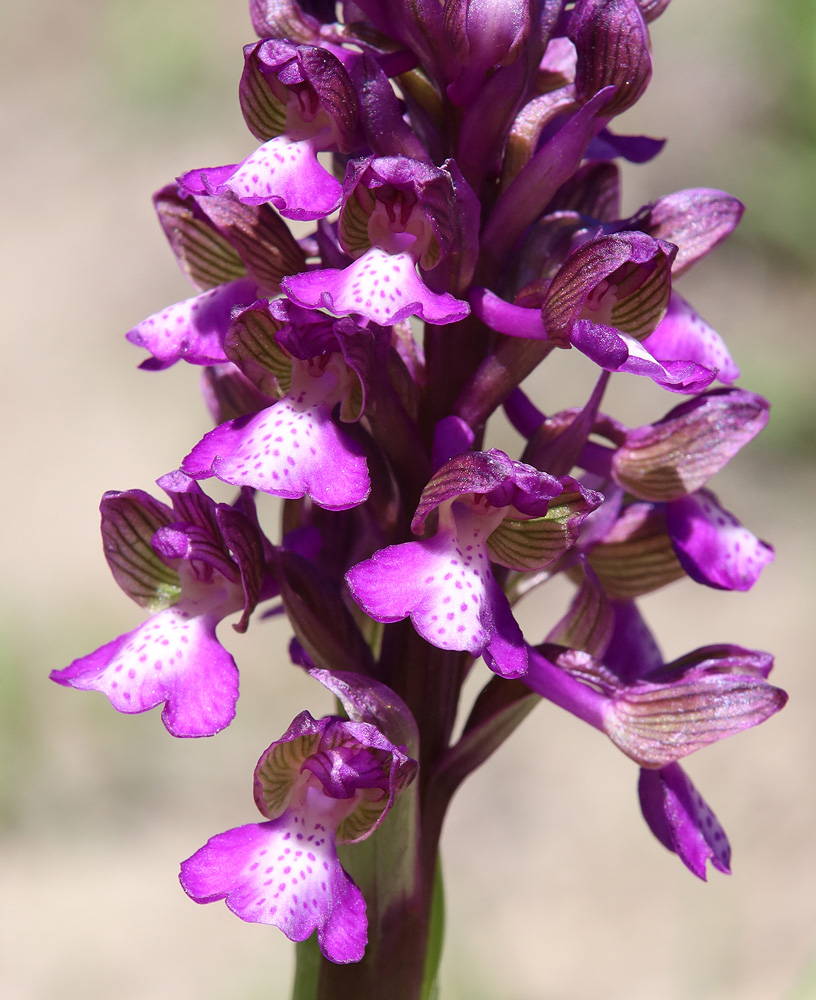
x=505, y=317
x=288, y=175
x=618, y=352
x=292, y=449
x=194, y=329
x=284, y=872
x=385, y=288
x=682, y=821
x=174, y=657
x=684, y=335
x=634, y=148
x=711, y=544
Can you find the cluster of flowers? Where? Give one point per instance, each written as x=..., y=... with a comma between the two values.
x=451, y=164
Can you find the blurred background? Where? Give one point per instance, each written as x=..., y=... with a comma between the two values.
x=555, y=888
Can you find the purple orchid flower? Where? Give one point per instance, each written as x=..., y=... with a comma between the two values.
x=283, y=449
x=325, y=782
x=301, y=100
x=657, y=713
x=669, y=462
x=192, y=564
x=395, y=216
x=460, y=167
x=489, y=507
x=607, y=300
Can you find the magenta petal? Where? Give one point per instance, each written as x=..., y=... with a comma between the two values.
x=683, y=335
x=682, y=821
x=172, y=658
x=506, y=652
x=618, y=352
x=284, y=872
x=385, y=288
x=447, y=588
x=429, y=582
x=193, y=329
x=288, y=175
x=711, y=544
x=291, y=450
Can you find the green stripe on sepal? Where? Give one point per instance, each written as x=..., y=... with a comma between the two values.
x=538, y=541
x=250, y=343
x=260, y=237
x=658, y=724
x=679, y=454
x=362, y=821
x=639, y=312
x=264, y=114
x=129, y=522
x=204, y=255
x=637, y=557
x=589, y=622
x=353, y=223
x=278, y=771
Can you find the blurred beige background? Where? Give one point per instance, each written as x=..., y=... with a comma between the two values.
x=555, y=888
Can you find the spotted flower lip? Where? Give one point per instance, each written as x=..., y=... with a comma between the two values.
x=682, y=820
x=324, y=782
x=283, y=449
x=192, y=564
x=396, y=215
x=444, y=583
x=192, y=330
x=300, y=99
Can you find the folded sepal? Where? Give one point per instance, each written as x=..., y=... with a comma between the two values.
x=323, y=782
x=696, y=220
x=129, y=522
x=677, y=455
x=708, y=695
x=612, y=45
x=534, y=543
x=218, y=239
x=636, y=556
x=621, y=280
